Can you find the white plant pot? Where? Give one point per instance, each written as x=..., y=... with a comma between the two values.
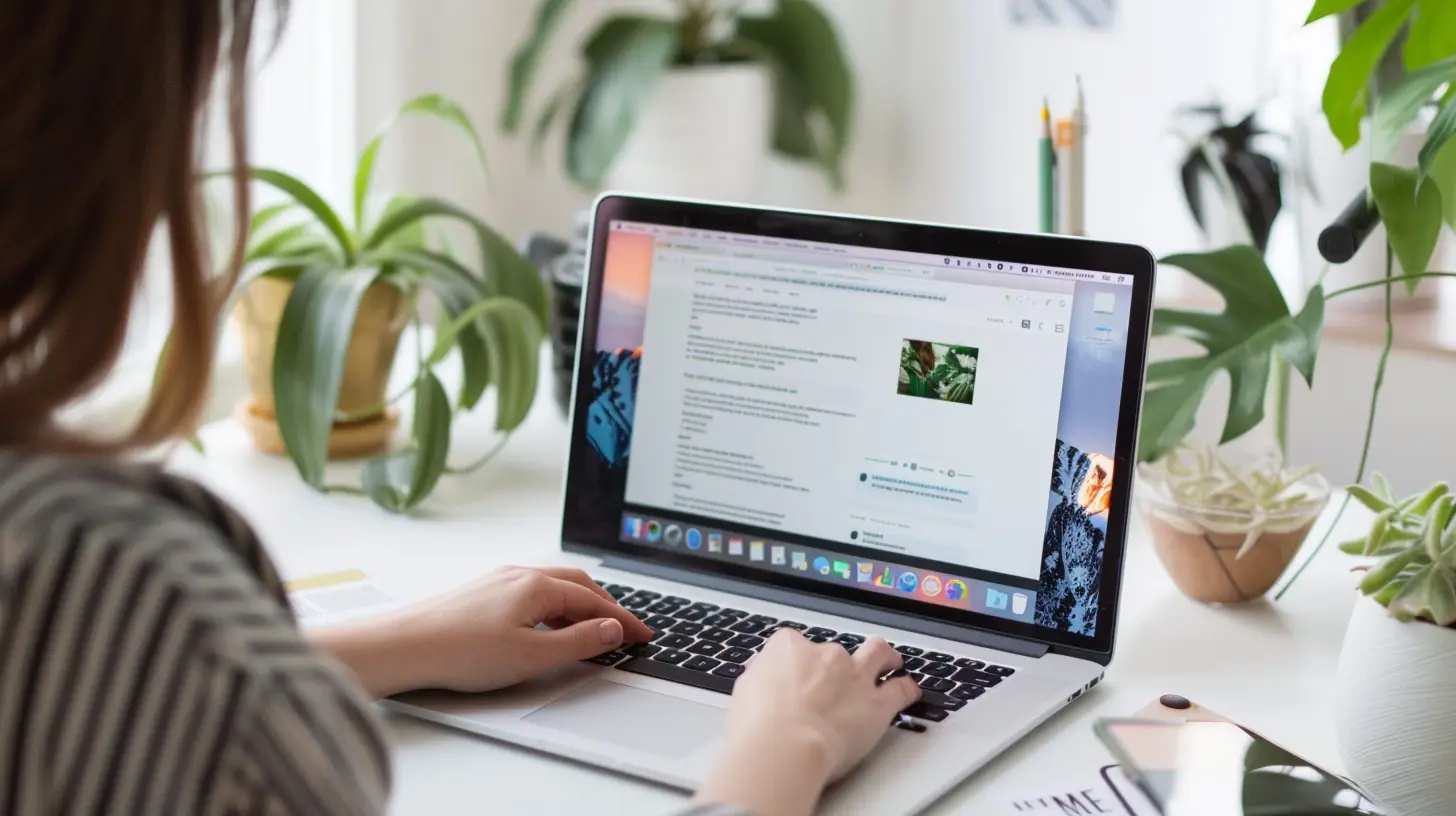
x=1395, y=698
x=704, y=134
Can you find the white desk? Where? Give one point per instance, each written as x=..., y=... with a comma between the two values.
x=1266, y=666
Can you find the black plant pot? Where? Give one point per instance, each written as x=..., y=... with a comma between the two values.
x=564, y=266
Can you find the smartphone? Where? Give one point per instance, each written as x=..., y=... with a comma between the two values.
x=1190, y=768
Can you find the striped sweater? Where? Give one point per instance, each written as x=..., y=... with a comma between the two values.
x=149, y=663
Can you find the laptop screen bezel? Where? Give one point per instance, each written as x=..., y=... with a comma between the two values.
x=1040, y=250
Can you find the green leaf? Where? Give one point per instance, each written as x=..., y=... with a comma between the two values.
x=1368, y=498
x=311, y=201
x=436, y=105
x=1325, y=8
x=1429, y=594
x=400, y=481
x=1391, y=568
x=1398, y=106
x=411, y=236
x=1412, y=219
x=557, y=103
x=1347, y=87
x=1428, y=499
x=308, y=360
x=1432, y=34
x=1242, y=340
x=812, y=79
x=504, y=271
x=1355, y=546
x=513, y=344
x=625, y=58
x=280, y=242
x=527, y=58
x=1443, y=173
x=1381, y=486
x=1438, y=135
x=265, y=216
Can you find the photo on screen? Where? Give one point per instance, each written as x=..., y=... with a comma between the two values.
x=938, y=371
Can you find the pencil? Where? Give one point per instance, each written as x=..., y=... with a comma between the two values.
x=1076, y=204
x=1048, y=163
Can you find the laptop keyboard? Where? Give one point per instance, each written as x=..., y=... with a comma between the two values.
x=707, y=646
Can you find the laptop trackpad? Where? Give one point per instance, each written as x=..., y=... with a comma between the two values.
x=632, y=718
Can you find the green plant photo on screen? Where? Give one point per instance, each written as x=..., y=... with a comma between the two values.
x=329, y=266
x=1260, y=335
x=626, y=54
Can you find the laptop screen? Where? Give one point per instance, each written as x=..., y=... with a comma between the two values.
x=933, y=428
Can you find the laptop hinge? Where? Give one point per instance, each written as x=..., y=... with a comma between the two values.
x=832, y=606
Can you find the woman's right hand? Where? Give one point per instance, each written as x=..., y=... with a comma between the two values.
x=802, y=716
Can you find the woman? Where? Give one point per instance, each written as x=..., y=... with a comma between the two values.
x=148, y=661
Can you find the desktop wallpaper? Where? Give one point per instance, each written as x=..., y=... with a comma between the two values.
x=1081, y=472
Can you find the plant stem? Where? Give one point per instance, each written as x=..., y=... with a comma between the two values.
x=1281, y=407
x=481, y=462
x=1386, y=281
x=1369, y=422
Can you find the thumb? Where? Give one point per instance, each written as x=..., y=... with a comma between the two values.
x=580, y=641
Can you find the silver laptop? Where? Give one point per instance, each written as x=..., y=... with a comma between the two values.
x=849, y=427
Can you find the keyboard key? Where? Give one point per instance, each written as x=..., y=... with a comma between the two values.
x=642, y=649
x=705, y=647
x=676, y=600
x=848, y=647
x=720, y=619
x=636, y=602
x=936, y=669
x=729, y=670
x=746, y=641
x=706, y=607
x=607, y=659
x=908, y=651
x=690, y=614
x=674, y=641
x=663, y=608
x=660, y=622
x=921, y=711
x=735, y=655
x=747, y=627
x=687, y=628
x=678, y=674
x=701, y=664
x=763, y=620
x=938, y=657
x=912, y=663
x=715, y=634
x=647, y=594
x=1000, y=671
x=641, y=614
x=668, y=656
x=618, y=591
x=910, y=725
x=601, y=583
x=846, y=637
x=819, y=639
x=918, y=678
x=817, y=631
x=936, y=684
x=969, y=691
x=792, y=625
x=975, y=676
x=942, y=701
x=967, y=663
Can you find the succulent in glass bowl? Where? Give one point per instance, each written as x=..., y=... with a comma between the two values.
x=1226, y=531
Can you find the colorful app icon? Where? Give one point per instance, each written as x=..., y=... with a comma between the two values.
x=930, y=586
x=864, y=572
x=821, y=565
x=673, y=534
x=654, y=531
x=632, y=527
x=955, y=590
x=907, y=582
x=735, y=546
x=778, y=555
x=841, y=568
x=755, y=551
x=695, y=539
x=715, y=542
x=801, y=561
x=886, y=579
x=995, y=599
x=1018, y=603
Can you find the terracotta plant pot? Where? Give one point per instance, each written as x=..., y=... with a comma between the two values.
x=383, y=313
x=1200, y=546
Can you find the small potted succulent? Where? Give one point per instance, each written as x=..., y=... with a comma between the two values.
x=1395, y=700
x=1224, y=533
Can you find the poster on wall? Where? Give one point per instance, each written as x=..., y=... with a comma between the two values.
x=1093, y=14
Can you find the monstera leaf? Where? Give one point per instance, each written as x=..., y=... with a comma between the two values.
x=1243, y=339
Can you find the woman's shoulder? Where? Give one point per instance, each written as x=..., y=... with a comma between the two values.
x=51, y=505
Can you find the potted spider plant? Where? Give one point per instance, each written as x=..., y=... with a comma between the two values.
x=688, y=104
x=325, y=299
x=1395, y=700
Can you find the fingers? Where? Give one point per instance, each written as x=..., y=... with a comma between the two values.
x=567, y=599
x=575, y=576
x=877, y=657
x=580, y=641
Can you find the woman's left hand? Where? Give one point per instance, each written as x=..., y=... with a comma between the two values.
x=484, y=635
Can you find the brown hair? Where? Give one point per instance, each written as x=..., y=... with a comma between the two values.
x=101, y=111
